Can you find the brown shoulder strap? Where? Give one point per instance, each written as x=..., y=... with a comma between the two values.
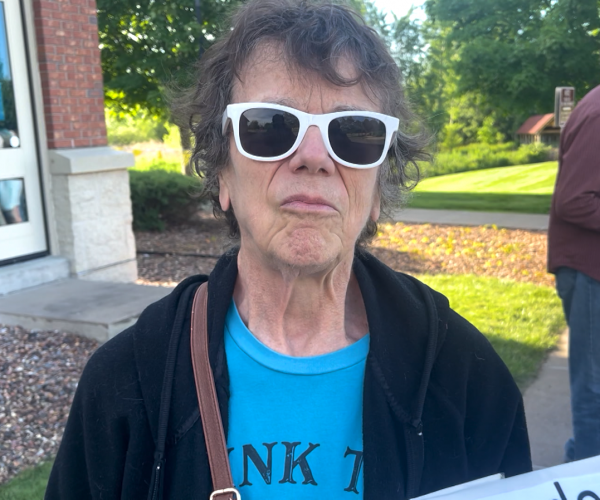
x=207, y=399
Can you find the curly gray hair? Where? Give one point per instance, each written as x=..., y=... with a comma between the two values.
x=312, y=35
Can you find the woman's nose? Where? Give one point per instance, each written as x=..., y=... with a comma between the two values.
x=312, y=153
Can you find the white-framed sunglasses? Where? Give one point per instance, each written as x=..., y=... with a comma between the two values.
x=271, y=132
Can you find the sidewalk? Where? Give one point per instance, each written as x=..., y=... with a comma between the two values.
x=548, y=408
x=532, y=222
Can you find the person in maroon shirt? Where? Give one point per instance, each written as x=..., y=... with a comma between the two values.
x=574, y=257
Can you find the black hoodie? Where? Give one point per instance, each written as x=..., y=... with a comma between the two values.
x=440, y=407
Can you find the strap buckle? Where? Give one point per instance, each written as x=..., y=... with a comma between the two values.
x=225, y=491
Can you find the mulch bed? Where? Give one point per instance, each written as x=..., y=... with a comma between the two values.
x=39, y=370
x=413, y=248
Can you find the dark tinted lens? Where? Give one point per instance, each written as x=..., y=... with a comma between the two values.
x=357, y=139
x=268, y=132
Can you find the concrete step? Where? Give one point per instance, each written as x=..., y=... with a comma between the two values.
x=32, y=273
x=532, y=222
x=95, y=309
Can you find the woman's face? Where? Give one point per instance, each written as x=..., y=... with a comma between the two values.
x=305, y=211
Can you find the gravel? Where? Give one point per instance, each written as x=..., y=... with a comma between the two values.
x=39, y=371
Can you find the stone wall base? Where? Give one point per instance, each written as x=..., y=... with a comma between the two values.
x=92, y=210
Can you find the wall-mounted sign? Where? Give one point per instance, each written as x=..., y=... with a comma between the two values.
x=564, y=102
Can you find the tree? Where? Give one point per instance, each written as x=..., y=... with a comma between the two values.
x=147, y=43
x=515, y=52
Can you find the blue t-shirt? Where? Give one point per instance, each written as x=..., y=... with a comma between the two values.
x=295, y=424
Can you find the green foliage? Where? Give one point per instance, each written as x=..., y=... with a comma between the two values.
x=145, y=164
x=145, y=44
x=28, y=485
x=451, y=136
x=521, y=327
x=454, y=159
x=521, y=189
x=172, y=138
x=474, y=70
x=515, y=52
x=130, y=129
x=488, y=133
x=162, y=197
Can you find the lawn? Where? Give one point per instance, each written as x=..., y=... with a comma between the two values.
x=29, y=485
x=521, y=320
x=524, y=188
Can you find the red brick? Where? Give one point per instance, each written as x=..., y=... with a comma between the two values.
x=47, y=4
x=91, y=132
x=70, y=70
x=72, y=134
x=81, y=19
x=56, y=134
x=100, y=141
x=75, y=60
x=51, y=23
x=70, y=8
x=81, y=143
x=53, y=144
x=56, y=119
x=59, y=126
x=55, y=75
x=49, y=56
x=59, y=109
x=48, y=66
x=63, y=16
x=56, y=92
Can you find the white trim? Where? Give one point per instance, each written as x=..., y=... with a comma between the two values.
x=37, y=105
x=88, y=160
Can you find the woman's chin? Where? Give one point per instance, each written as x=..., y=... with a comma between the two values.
x=308, y=250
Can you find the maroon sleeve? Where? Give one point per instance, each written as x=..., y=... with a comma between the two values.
x=577, y=192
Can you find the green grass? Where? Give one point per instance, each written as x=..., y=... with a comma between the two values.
x=480, y=156
x=522, y=188
x=29, y=485
x=521, y=320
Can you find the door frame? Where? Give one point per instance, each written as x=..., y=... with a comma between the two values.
x=39, y=127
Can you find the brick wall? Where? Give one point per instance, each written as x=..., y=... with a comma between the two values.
x=69, y=62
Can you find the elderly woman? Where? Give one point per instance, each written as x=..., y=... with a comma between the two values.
x=336, y=376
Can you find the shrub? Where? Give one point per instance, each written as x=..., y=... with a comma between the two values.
x=160, y=198
x=481, y=156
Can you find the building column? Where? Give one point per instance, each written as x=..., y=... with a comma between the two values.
x=89, y=181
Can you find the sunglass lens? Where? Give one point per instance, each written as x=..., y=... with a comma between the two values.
x=268, y=133
x=357, y=139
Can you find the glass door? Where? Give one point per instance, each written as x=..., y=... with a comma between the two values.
x=22, y=231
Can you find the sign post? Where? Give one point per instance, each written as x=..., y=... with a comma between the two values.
x=564, y=102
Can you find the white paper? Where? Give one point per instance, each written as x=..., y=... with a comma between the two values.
x=577, y=480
